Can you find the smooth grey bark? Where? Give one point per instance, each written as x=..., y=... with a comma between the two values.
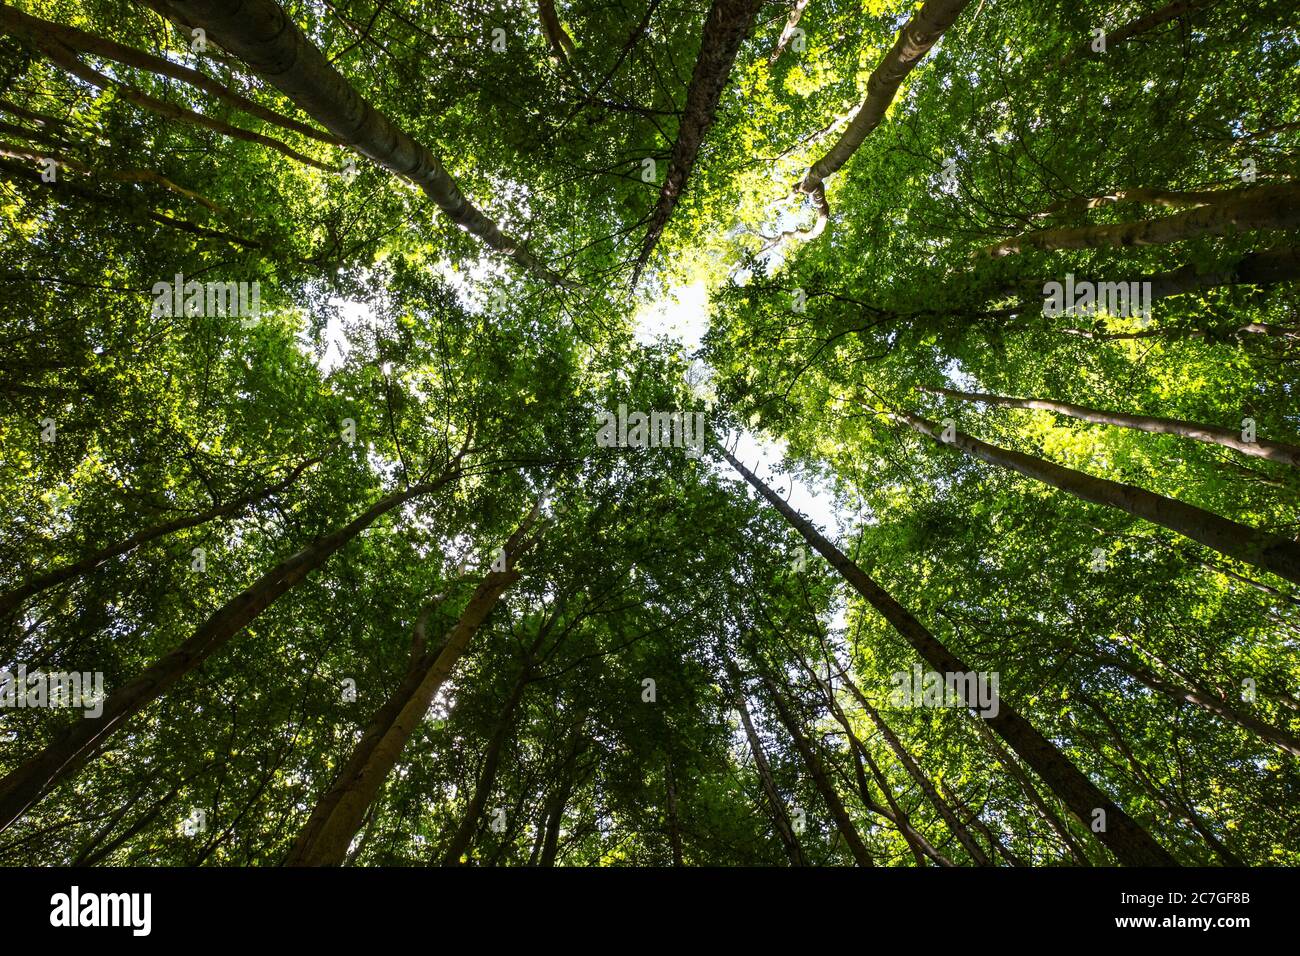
x=1268, y=551
x=28, y=782
x=1125, y=837
x=1210, y=434
x=261, y=34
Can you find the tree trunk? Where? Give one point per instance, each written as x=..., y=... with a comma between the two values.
x=1210, y=434
x=26, y=784
x=914, y=41
x=338, y=814
x=945, y=810
x=1288, y=742
x=817, y=771
x=12, y=600
x=1272, y=206
x=674, y=818
x=1143, y=24
x=1031, y=791
x=1130, y=843
x=787, y=32
x=263, y=36
x=1264, y=550
x=83, y=42
x=557, y=37
x=725, y=28
x=464, y=835
x=780, y=819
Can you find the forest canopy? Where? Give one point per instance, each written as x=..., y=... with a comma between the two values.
x=656, y=433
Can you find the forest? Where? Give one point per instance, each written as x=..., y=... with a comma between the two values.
x=650, y=433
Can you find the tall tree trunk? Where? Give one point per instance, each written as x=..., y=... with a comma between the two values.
x=914, y=41
x=780, y=819
x=27, y=783
x=674, y=817
x=561, y=44
x=817, y=770
x=559, y=798
x=1271, y=206
x=787, y=32
x=1210, y=434
x=464, y=835
x=263, y=36
x=12, y=600
x=1130, y=843
x=83, y=42
x=937, y=800
x=1143, y=24
x=1018, y=774
x=338, y=814
x=725, y=28
x=916, y=842
x=1207, y=701
x=1264, y=550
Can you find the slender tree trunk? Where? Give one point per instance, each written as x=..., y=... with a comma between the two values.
x=674, y=818
x=337, y=816
x=12, y=600
x=1210, y=434
x=941, y=805
x=725, y=28
x=817, y=770
x=263, y=36
x=918, y=844
x=1272, y=206
x=15, y=21
x=1264, y=550
x=559, y=799
x=561, y=44
x=1207, y=701
x=780, y=819
x=1143, y=24
x=1130, y=843
x=1018, y=773
x=28, y=782
x=787, y=32
x=914, y=41
x=464, y=835
x=69, y=61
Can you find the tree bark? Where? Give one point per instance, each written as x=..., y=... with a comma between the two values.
x=263, y=36
x=557, y=37
x=339, y=812
x=1130, y=843
x=1272, y=206
x=817, y=770
x=780, y=819
x=1143, y=24
x=12, y=20
x=914, y=41
x=1211, y=434
x=787, y=32
x=725, y=28
x=12, y=600
x=1267, y=551
x=28, y=782
x=1031, y=791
